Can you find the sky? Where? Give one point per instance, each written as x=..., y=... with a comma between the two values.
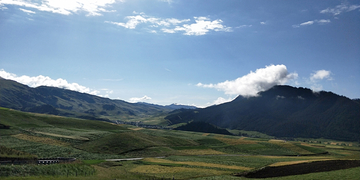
x=191, y=52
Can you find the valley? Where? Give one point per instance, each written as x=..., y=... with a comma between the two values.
x=159, y=153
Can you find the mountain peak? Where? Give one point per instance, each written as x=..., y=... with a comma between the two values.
x=284, y=111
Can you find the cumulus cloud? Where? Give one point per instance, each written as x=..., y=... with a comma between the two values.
x=320, y=74
x=260, y=80
x=343, y=7
x=65, y=7
x=141, y=99
x=40, y=80
x=201, y=26
x=308, y=23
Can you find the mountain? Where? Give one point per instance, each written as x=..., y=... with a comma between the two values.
x=57, y=101
x=171, y=106
x=179, y=106
x=284, y=111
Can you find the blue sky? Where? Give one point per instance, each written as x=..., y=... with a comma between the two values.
x=191, y=52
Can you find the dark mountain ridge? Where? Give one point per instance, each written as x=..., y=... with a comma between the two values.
x=284, y=111
x=202, y=127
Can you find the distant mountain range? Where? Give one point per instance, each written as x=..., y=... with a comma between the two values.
x=284, y=111
x=57, y=101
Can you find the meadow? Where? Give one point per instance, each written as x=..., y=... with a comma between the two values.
x=167, y=154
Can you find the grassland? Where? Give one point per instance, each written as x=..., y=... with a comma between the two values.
x=184, y=155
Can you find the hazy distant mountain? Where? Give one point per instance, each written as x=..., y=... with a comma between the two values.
x=52, y=100
x=171, y=106
x=284, y=111
x=179, y=106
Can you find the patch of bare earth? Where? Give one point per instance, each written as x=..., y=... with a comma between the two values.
x=302, y=168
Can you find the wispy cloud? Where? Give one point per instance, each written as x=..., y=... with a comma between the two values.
x=343, y=7
x=201, y=26
x=27, y=11
x=308, y=23
x=2, y=7
x=141, y=99
x=92, y=7
x=250, y=84
x=244, y=26
x=41, y=80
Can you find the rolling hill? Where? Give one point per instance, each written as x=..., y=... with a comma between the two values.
x=284, y=111
x=57, y=101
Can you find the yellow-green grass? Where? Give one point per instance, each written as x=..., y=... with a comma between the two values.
x=12, y=153
x=42, y=140
x=61, y=136
x=198, y=152
x=290, y=146
x=297, y=162
x=136, y=129
x=202, y=164
x=238, y=141
x=176, y=172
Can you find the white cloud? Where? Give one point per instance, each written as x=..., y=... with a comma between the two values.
x=201, y=26
x=316, y=87
x=260, y=80
x=65, y=7
x=221, y=100
x=133, y=21
x=141, y=99
x=343, y=7
x=244, y=26
x=47, y=81
x=307, y=23
x=323, y=21
x=2, y=7
x=262, y=23
x=320, y=74
x=27, y=11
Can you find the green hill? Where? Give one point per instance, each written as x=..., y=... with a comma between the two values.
x=57, y=101
x=202, y=127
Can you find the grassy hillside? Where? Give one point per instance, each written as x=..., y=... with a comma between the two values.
x=58, y=101
x=185, y=154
